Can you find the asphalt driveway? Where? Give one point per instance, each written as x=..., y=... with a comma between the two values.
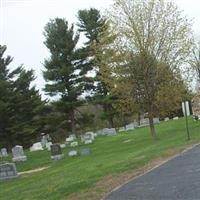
x=178, y=179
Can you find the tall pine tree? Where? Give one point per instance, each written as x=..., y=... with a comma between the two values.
x=66, y=69
x=20, y=104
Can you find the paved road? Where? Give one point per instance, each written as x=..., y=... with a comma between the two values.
x=178, y=179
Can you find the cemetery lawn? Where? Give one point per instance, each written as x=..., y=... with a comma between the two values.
x=72, y=178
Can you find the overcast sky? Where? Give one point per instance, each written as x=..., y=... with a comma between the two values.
x=22, y=23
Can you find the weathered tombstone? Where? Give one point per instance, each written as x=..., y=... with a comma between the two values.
x=48, y=145
x=156, y=120
x=72, y=153
x=144, y=122
x=85, y=152
x=4, y=152
x=7, y=171
x=89, y=135
x=166, y=119
x=44, y=141
x=56, y=152
x=18, y=154
x=36, y=147
x=71, y=138
x=130, y=126
x=88, y=142
x=175, y=118
x=110, y=132
x=62, y=146
x=74, y=144
x=121, y=129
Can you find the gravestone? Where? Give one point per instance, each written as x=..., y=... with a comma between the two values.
x=130, y=127
x=62, y=145
x=18, y=154
x=7, y=171
x=48, y=145
x=36, y=147
x=175, y=118
x=72, y=153
x=144, y=122
x=111, y=132
x=74, y=144
x=71, y=138
x=56, y=152
x=166, y=119
x=4, y=152
x=44, y=141
x=156, y=120
x=88, y=137
x=85, y=152
x=88, y=142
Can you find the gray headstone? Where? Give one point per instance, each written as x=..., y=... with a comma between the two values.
x=166, y=119
x=156, y=120
x=144, y=122
x=85, y=152
x=56, y=152
x=18, y=154
x=4, y=152
x=130, y=126
x=7, y=171
x=110, y=131
x=72, y=153
x=88, y=141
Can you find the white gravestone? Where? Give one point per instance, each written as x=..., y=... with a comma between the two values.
x=72, y=153
x=48, y=145
x=18, y=154
x=71, y=138
x=166, y=119
x=175, y=118
x=36, y=147
x=74, y=144
x=62, y=145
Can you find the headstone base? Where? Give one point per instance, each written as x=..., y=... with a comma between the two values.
x=19, y=159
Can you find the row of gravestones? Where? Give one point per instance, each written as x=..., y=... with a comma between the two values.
x=143, y=122
x=17, y=152
x=57, y=154
x=8, y=170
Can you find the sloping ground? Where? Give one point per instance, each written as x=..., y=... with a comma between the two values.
x=111, y=157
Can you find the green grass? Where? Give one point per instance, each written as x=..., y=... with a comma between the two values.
x=110, y=155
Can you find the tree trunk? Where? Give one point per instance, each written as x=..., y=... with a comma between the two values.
x=73, y=122
x=111, y=122
x=152, y=127
x=139, y=118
